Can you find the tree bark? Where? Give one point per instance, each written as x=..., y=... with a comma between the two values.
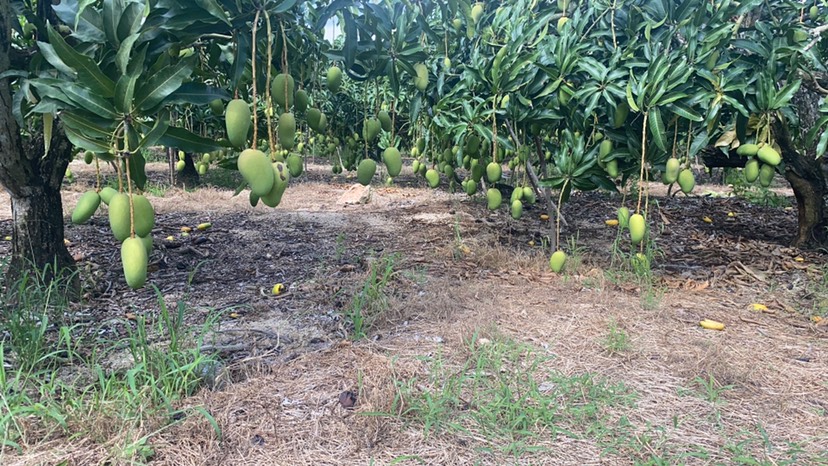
x=32, y=178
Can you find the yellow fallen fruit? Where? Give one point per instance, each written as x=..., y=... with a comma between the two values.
x=234, y=315
x=170, y=238
x=184, y=233
x=204, y=226
x=816, y=319
x=278, y=289
x=731, y=214
x=531, y=242
x=799, y=259
x=544, y=217
x=8, y=238
x=711, y=325
x=66, y=242
x=186, y=229
x=707, y=220
x=611, y=222
x=760, y=307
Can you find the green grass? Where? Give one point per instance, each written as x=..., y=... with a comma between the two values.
x=501, y=390
x=634, y=265
x=54, y=383
x=617, y=340
x=371, y=301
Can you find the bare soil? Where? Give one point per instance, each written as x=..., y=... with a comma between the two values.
x=463, y=272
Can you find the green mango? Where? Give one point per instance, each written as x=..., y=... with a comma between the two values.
x=686, y=180
x=748, y=150
x=287, y=130
x=144, y=215
x=421, y=79
x=432, y=176
x=557, y=261
x=751, y=170
x=493, y=172
x=517, y=209
x=671, y=170
x=281, y=178
x=217, y=107
x=301, y=101
x=365, y=171
x=470, y=187
x=295, y=165
x=638, y=227
x=119, y=221
x=255, y=168
x=393, y=161
x=237, y=122
x=134, y=260
x=766, y=173
x=385, y=120
x=86, y=207
x=768, y=155
x=107, y=193
x=334, y=79
x=494, y=198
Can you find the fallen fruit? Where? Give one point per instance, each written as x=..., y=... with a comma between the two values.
x=707, y=220
x=278, y=289
x=556, y=262
x=712, y=325
x=611, y=222
x=759, y=307
x=204, y=226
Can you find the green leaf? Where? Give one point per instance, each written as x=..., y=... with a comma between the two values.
x=52, y=57
x=87, y=100
x=196, y=94
x=823, y=144
x=137, y=171
x=124, y=91
x=112, y=11
x=684, y=111
x=80, y=140
x=785, y=94
x=124, y=51
x=630, y=100
x=131, y=19
x=212, y=7
x=162, y=84
x=187, y=141
x=657, y=128
x=154, y=135
x=88, y=71
x=85, y=125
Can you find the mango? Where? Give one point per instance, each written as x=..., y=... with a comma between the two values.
x=766, y=173
x=281, y=178
x=365, y=171
x=477, y=171
x=623, y=217
x=421, y=79
x=144, y=215
x=217, y=107
x=604, y=149
x=671, y=170
x=385, y=120
x=751, y=170
x=254, y=199
x=287, y=130
x=282, y=90
x=470, y=187
x=393, y=161
x=295, y=165
x=494, y=198
x=86, y=207
x=493, y=172
x=88, y=157
x=529, y=195
x=179, y=166
x=517, y=209
x=334, y=79
x=432, y=176
x=612, y=168
x=748, y=150
x=255, y=168
x=301, y=100
x=147, y=242
x=370, y=129
x=237, y=122
x=620, y=115
x=638, y=227
x=768, y=155
x=557, y=261
x=686, y=180
x=477, y=12
x=119, y=216
x=107, y=193
x=134, y=260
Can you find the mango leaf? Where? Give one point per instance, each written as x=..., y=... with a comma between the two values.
x=196, y=94
x=153, y=135
x=52, y=57
x=131, y=19
x=124, y=91
x=657, y=128
x=112, y=11
x=162, y=84
x=785, y=94
x=87, y=22
x=85, y=125
x=87, y=100
x=88, y=70
x=684, y=111
x=137, y=171
x=124, y=51
x=84, y=142
x=212, y=7
x=187, y=141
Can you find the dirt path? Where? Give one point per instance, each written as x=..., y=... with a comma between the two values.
x=600, y=367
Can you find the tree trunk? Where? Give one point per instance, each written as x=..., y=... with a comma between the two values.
x=803, y=170
x=188, y=177
x=32, y=177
